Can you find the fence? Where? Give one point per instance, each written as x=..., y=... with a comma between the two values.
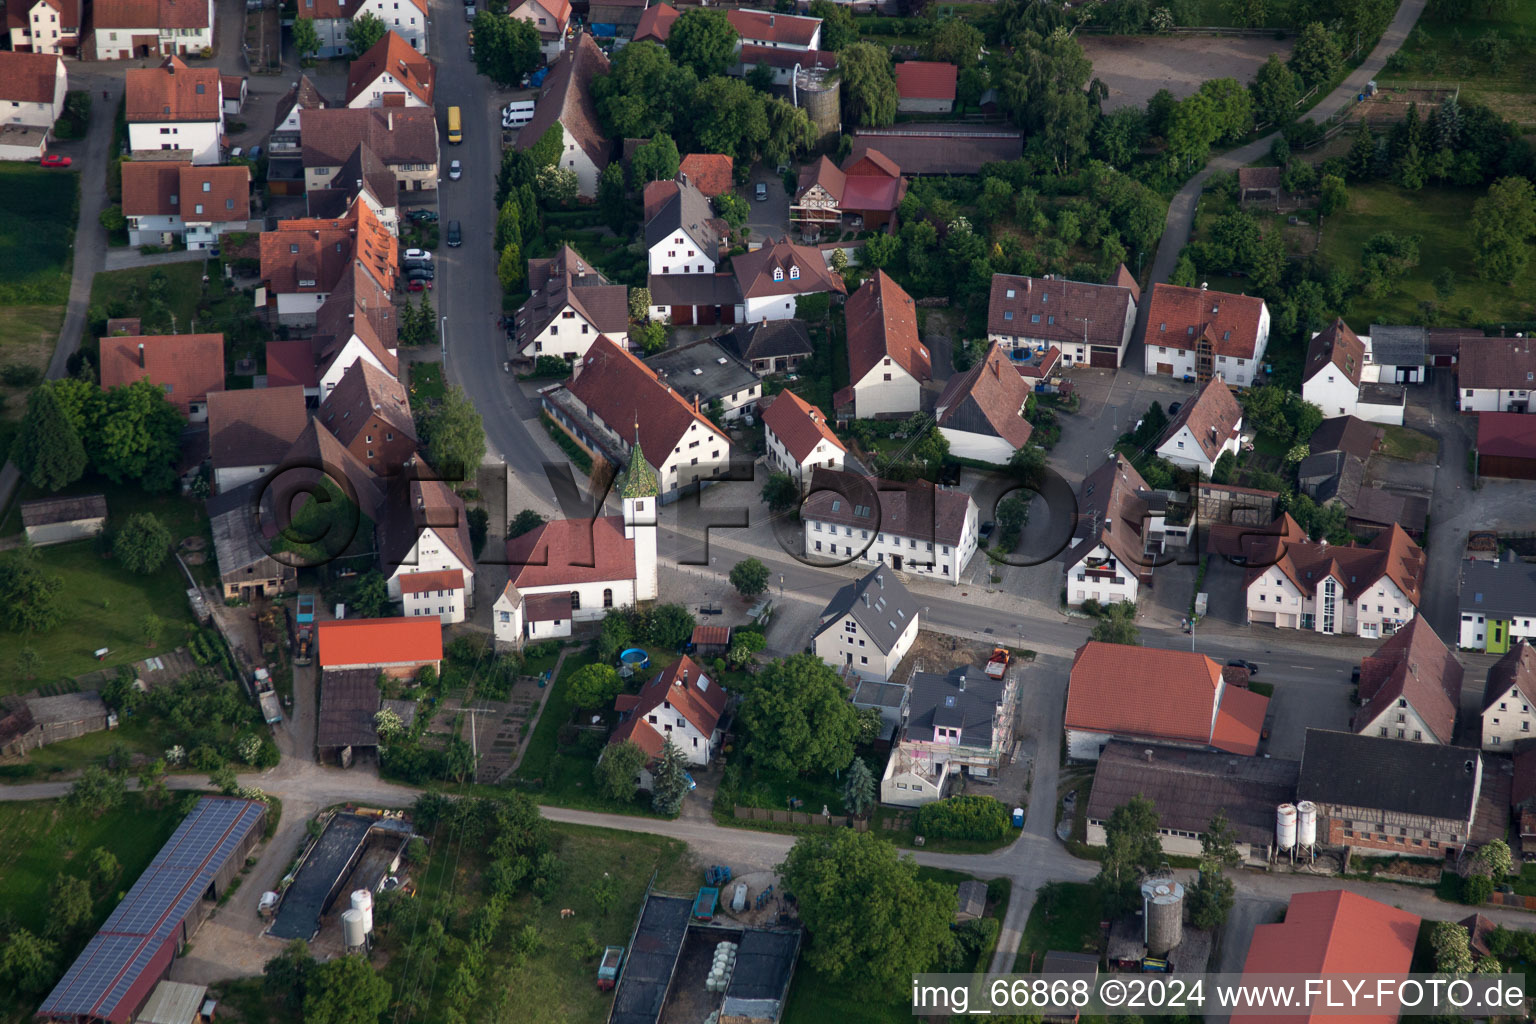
x=1513, y=900
x=800, y=818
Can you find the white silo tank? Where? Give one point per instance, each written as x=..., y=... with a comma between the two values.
x=362, y=901
x=352, y=932
x=1162, y=914
x=1285, y=826
x=1306, y=823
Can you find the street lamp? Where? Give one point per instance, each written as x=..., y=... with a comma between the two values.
x=443, y=338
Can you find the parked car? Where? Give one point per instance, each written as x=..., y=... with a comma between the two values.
x=55, y=160
x=455, y=236
x=987, y=528
x=1354, y=675
x=424, y=216
x=415, y=286
x=469, y=12
x=762, y=191
x=1253, y=669
x=417, y=254
x=455, y=170
x=415, y=265
x=1173, y=410
x=420, y=274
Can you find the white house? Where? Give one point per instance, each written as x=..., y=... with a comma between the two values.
x=1498, y=605
x=391, y=73
x=571, y=305
x=799, y=439
x=442, y=594
x=1409, y=688
x=425, y=531
x=1198, y=333
x=682, y=704
x=776, y=31
x=1397, y=354
x=567, y=101
x=125, y=29
x=250, y=431
x=1368, y=591
x=174, y=200
x=1507, y=715
x=772, y=277
x=1496, y=375
x=868, y=626
x=981, y=411
x=174, y=107
x=551, y=18
x=959, y=723
x=1340, y=378
x=1090, y=324
x=912, y=526
x=44, y=26
x=1118, y=537
x=682, y=233
x=1204, y=430
x=32, y=88
x=575, y=570
x=303, y=261
x=887, y=362
x=332, y=18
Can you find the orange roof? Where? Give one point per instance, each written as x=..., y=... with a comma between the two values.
x=656, y=22
x=1333, y=932
x=710, y=173
x=565, y=552
x=393, y=56
x=310, y=254
x=187, y=366
x=401, y=640
x=644, y=735
x=720, y=635
x=426, y=582
x=799, y=425
x=882, y=321
x=926, y=80
x=173, y=92
x=29, y=77
x=1239, y=721
x=214, y=194
x=687, y=689
x=1178, y=316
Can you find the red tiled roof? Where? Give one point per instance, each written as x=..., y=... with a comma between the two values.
x=187, y=366
x=1179, y=316
x=1239, y=721
x=780, y=57
x=643, y=734
x=565, y=552
x=149, y=14
x=987, y=399
x=1214, y=417
x=1414, y=665
x=567, y=99
x=172, y=92
x=754, y=271
x=214, y=194
x=150, y=185
x=656, y=23
x=28, y=77
x=1062, y=308
x=710, y=173
x=1336, y=345
x=254, y=427
x=365, y=392
x=622, y=391
x=882, y=322
x=798, y=425
x=321, y=251
x=1333, y=932
x=547, y=607
x=396, y=135
x=689, y=690
x=926, y=80
x=289, y=363
x=716, y=635
x=1123, y=278
x=1392, y=554
x=1506, y=434
x=785, y=29
x=393, y=56
x=426, y=582
x=1111, y=511
x=403, y=640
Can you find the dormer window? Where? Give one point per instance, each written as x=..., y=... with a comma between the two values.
x=778, y=273
x=794, y=273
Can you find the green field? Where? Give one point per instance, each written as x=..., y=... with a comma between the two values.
x=1066, y=918
x=1454, y=52
x=37, y=219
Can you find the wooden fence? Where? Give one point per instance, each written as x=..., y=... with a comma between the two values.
x=800, y=818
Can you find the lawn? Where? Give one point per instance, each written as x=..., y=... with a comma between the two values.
x=1439, y=217
x=37, y=221
x=136, y=736
x=426, y=383
x=1407, y=443
x=1450, y=52
x=1065, y=917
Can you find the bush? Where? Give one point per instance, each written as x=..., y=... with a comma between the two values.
x=964, y=817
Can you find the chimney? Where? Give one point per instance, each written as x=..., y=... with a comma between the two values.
x=1147, y=754
x=695, y=403
x=770, y=21
x=683, y=678
x=141, y=355
x=683, y=178
x=960, y=680
x=389, y=120
x=1204, y=285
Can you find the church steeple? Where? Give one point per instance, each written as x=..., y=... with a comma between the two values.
x=640, y=479
x=642, y=490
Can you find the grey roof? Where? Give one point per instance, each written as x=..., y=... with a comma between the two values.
x=1377, y=507
x=298, y=915
x=694, y=290
x=651, y=960
x=236, y=541
x=724, y=375
x=881, y=605
x=1332, y=475
x=1345, y=434
x=67, y=707
x=765, y=962
x=1498, y=589
x=876, y=693
x=972, y=897
x=348, y=701
x=1401, y=776
x=63, y=510
x=1383, y=394
x=768, y=339
x=687, y=210
x=1398, y=346
x=1188, y=787
x=939, y=701
x=1057, y=962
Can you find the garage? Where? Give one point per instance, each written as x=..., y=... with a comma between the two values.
x=682, y=315
x=1108, y=358
x=1165, y=369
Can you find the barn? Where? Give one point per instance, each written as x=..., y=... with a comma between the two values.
x=61, y=520
x=1506, y=445
x=695, y=298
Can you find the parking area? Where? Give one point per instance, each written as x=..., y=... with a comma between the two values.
x=1136, y=67
x=768, y=217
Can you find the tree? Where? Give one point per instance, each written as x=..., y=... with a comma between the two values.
x=955, y=42
x=780, y=492
x=150, y=627
x=306, y=40
x=670, y=626
x=671, y=779
x=29, y=600
x=137, y=436
x=880, y=251
x=506, y=48
x=1211, y=897
x=1117, y=625
x=798, y=718
x=869, y=85
x=509, y=268
x=731, y=118
x=1502, y=223
x=546, y=151
x=346, y=990
x=479, y=521
x=370, y=596
x=365, y=30
x=1452, y=949
x=460, y=760
x=27, y=660
x=96, y=790
x=702, y=40
x=524, y=522
x=750, y=577
x=1494, y=860
x=387, y=723
x=651, y=336
x=1385, y=260
x=102, y=868
x=69, y=906
x=732, y=209
x=509, y=228
x=594, y=686
x=48, y=450
x=872, y=922
x=1131, y=850
x=859, y=788
x=27, y=962
x=224, y=779
x=557, y=186
x=657, y=160
x=1012, y=516
x=1275, y=92
x=744, y=644
x=142, y=544
x=1192, y=127
x=1316, y=58
x=453, y=434
x=610, y=198
x=643, y=91
x=1231, y=108
x=1333, y=195
x=288, y=974
x=618, y=770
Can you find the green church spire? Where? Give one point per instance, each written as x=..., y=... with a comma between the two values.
x=640, y=480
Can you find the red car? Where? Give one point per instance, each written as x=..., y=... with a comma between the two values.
x=55, y=160
x=413, y=286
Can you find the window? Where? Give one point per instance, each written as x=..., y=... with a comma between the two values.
x=794, y=273
x=607, y=597
x=576, y=606
x=778, y=273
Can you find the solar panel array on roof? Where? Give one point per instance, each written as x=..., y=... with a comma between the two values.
x=145, y=924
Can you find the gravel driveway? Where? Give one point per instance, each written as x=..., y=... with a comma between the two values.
x=1135, y=67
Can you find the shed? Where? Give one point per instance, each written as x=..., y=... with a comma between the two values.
x=1506, y=445
x=349, y=700
x=173, y=1002
x=61, y=520
x=69, y=715
x=1259, y=185
x=972, y=902
x=711, y=641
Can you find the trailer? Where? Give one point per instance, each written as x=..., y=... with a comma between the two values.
x=608, y=967
x=997, y=665
x=705, y=903
x=266, y=696
x=306, y=614
x=717, y=875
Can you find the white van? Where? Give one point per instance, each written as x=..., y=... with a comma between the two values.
x=517, y=113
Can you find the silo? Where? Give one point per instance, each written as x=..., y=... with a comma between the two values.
x=1162, y=906
x=352, y=932
x=362, y=902
x=1285, y=826
x=1306, y=824
x=822, y=100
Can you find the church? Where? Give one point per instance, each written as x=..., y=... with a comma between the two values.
x=574, y=570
